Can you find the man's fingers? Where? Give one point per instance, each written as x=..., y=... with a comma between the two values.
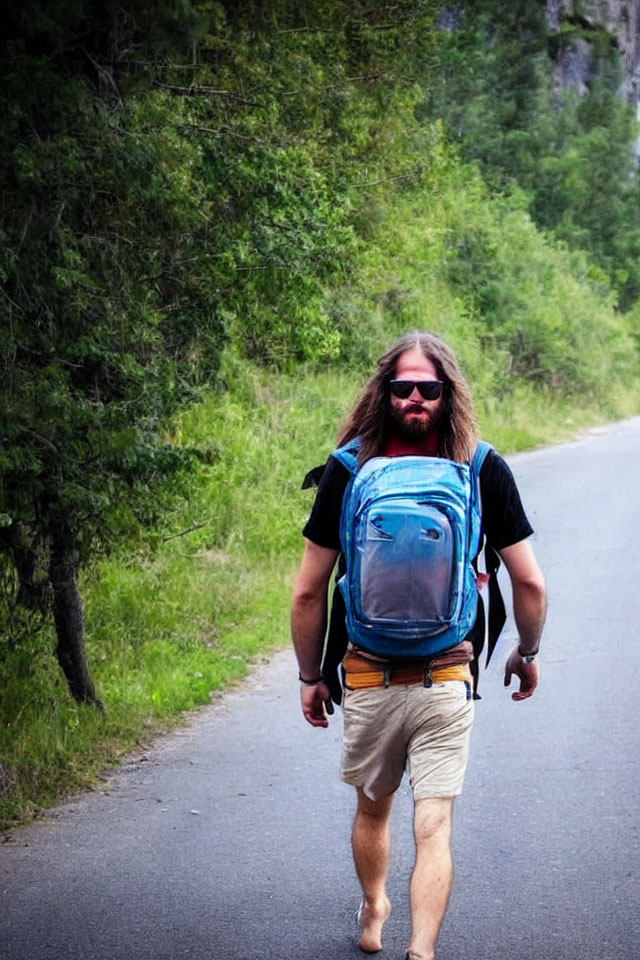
x=315, y=709
x=526, y=689
x=316, y=718
x=523, y=693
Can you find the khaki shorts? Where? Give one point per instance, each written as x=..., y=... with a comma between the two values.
x=425, y=728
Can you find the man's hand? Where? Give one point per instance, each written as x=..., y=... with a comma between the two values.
x=529, y=674
x=529, y=608
x=316, y=704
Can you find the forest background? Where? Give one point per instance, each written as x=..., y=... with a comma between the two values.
x=215, y=216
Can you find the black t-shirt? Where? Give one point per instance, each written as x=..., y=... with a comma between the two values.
x=504, y=521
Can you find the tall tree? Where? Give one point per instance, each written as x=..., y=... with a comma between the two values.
x=96, y=334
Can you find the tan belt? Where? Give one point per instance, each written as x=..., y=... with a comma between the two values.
x=388, y=676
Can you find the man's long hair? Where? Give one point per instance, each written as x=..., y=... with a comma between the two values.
x=369, y=419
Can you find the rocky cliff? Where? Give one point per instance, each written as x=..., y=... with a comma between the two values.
x=574, y=66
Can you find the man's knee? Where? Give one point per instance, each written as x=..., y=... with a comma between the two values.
x=432, y=817
x=376, y=809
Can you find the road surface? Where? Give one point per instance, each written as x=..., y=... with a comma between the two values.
x=228, y=840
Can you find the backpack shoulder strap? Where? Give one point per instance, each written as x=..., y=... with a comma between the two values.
x=479, y=456
x=348, y=455
x=477, y=460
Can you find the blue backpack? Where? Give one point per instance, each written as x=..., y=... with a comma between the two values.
x=410, y=529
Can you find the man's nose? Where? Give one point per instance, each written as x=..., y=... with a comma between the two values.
x=415, y=395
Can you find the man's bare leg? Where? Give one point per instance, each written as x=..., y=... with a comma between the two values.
x=371, y=845
x=432, y=875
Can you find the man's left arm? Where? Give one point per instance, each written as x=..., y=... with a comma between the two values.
x=529, y=609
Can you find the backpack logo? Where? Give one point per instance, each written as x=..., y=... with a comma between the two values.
x=410, y=529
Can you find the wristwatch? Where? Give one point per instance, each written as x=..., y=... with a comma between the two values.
x=527, y=657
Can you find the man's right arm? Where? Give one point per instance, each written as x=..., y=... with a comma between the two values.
x=308, y=628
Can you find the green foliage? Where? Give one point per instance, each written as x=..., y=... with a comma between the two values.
x=572, y=153
x=517, y=306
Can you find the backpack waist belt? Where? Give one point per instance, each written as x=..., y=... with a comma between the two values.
x=390, y=676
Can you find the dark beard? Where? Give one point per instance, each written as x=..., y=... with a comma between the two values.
x=413, y=429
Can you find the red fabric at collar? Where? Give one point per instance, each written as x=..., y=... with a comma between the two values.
x=402, y=447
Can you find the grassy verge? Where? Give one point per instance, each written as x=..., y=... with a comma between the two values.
x=167, y=626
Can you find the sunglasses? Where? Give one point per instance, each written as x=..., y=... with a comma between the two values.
x=428, y=389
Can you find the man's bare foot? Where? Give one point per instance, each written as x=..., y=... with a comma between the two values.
x=371, y=919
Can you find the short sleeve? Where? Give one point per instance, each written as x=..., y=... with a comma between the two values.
x=323, y=525
x=503, y=517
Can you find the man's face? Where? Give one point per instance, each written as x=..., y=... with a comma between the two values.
x=415, y=417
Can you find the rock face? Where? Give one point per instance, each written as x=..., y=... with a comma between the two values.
x=574, y=66
x=620, y=18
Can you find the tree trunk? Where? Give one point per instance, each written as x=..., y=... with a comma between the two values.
x=68, y=618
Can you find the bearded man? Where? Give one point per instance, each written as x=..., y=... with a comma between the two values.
x=399, y=713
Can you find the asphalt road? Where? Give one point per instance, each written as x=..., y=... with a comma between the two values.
x=228, y=840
